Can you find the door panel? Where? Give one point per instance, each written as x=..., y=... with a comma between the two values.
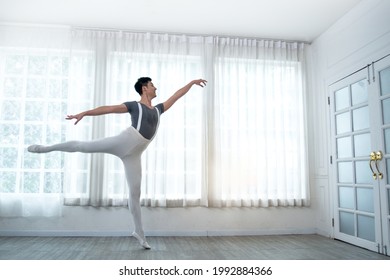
x=352, y=134
x=360, y=125
x=382, y=71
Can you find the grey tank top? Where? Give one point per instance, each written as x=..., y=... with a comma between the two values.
x=144, y=119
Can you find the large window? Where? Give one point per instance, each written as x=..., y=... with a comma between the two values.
x=238, y=142
x=33, y=101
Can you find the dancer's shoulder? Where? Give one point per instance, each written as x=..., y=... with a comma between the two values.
x=160, y=107
x=131, y=105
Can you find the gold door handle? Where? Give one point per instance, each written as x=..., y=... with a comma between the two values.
x=378, y=157
x=372, y=159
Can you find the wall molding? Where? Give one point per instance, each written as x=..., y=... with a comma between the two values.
x=94, y=233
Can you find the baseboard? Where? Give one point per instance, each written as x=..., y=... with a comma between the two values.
x=92, y=233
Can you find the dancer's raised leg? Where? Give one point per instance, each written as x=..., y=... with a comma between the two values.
x=116, y=145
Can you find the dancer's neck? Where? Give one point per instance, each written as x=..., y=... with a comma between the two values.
x=146, y=101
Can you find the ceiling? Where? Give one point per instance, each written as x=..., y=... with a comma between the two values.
x=302, y=20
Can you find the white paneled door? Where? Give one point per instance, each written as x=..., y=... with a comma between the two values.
x=360, y=124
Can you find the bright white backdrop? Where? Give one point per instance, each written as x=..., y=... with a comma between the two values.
x=240, y=142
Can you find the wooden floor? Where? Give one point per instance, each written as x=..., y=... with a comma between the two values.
x=284, y=247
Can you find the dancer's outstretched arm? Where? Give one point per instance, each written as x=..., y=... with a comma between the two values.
x=178, y=94
x=102, y=110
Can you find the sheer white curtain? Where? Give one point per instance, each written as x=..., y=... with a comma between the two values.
x=238, y=142
x=172, y=165
x=259, y=137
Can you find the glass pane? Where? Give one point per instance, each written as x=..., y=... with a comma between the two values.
x=7, y=182
x=10, y=110
x=363, y=172
x=366, y=227
x=31, y=182
x=388, y=170
x=346, y=197
x=36, y=87
x=13, y=87
x=345, y=172
x=35, y=111
x=52, y=182
x=37, y=65
x=347, y=223
x=8, y=158
x=361, y=118
x=387, y=140
x=386, y=111
x=344, y=147
x=342, y=99
x=362, y=145
x=9, y=134
x=359, y=92
x=365, y=199
x=343, y=123
x=384, y=77
x=388, y=200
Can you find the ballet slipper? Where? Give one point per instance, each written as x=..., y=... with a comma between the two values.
x=142, y=241
x=35, y=149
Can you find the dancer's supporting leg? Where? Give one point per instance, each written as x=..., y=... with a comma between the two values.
x=133, y=171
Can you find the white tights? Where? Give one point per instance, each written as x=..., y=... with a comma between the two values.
x=128, y=146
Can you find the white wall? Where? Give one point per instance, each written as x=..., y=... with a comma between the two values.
x=162, y=222
x=359, y=38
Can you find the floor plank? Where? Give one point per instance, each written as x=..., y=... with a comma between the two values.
x=281, y=247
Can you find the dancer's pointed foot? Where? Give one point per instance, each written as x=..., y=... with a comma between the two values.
x=35, y=149
x=142, y=241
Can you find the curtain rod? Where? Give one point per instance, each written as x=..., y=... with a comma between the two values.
x=188, y=34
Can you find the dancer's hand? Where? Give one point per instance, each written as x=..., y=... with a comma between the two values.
x=200, y=82
x=78, y=117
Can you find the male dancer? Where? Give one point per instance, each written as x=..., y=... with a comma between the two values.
x=130, y=143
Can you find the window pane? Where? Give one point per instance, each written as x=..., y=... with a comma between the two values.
x=31, y=182
x=344, y=147
x=362, y=145
x=35, y=111
x=15, y=64
x=363, y=172
x=343, y=123
x=10, y=110
x=342, y=99
x=361, y=119
x=36, y=88
x=386, y=111
x=347, y=223
x=387, y=140
x=8, y=157
x=346, y=197
x=345, y=172
x=9, y=134
x=366, y=227
x=384, y=77
x=7, y=182
x=37, y=65
x=359, y=92
x=13, y=87
x=53, y=182
x=365, y=200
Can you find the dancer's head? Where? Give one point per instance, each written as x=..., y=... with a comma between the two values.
x=142, y=82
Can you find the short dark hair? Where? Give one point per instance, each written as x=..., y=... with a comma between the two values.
x=143, y=81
